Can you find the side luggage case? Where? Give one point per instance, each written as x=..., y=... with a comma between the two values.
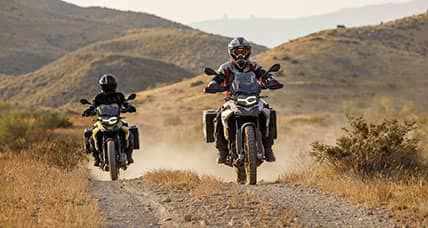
x=135, y=137
x=208, y=123
x=273, y=124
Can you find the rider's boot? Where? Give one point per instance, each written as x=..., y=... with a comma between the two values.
x=97, y=161
x=270, y=157
x=268, y=143
x=222, y=156
x=129, y=156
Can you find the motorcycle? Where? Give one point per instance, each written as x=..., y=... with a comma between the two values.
x=112, y=153
x=242, y=112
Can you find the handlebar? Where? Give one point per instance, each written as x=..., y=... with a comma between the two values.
x=214, y=90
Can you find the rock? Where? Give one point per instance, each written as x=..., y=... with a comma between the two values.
x=231, y=222
x=203, y=223
x=167, y=200
x=188, y=218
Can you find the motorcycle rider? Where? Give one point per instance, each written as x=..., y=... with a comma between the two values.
x=108, y=96
x=240, y=52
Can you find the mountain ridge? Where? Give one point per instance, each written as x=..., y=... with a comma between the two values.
x=36, y=32
x=296, y=27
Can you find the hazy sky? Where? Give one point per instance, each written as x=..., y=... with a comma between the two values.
x=187, y=11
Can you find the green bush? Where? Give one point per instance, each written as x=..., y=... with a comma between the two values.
x=52, y=120
x=387, y=148
x=19, y=127
x=16, y=131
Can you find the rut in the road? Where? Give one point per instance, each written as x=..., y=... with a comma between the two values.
x=134, y=203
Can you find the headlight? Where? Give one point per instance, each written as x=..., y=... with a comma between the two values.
x=110, y=121
x=248, y=101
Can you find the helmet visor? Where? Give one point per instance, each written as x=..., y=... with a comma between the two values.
x=242, y=52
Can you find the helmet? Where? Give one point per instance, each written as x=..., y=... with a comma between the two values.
x=108, y=83
x=240, y=51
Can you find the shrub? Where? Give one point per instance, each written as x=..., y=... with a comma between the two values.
x=15, y=131
x=52, y=120
x=367, y=149
x=58, y=150
x=19, y=128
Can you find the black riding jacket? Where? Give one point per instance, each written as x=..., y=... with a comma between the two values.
x=108, y=99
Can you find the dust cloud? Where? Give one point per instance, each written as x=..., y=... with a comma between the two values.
x=292, y=152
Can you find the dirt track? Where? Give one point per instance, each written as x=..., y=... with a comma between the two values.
x=133, y=203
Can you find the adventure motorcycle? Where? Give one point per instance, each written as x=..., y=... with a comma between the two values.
x=112, y=153
x=241, y=115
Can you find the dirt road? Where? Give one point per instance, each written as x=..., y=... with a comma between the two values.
x=134, y=203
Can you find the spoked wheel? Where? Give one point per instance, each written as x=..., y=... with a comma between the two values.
x=113, y=166
x=250, y=149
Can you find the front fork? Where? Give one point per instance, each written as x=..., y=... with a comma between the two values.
x=240, y=142
x=121, y=156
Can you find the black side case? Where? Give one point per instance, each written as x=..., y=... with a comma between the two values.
x=208, y=119
x=273, y=124
x=133, y=131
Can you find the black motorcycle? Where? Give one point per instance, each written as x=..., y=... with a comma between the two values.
x=242, y=116
x=112, y=154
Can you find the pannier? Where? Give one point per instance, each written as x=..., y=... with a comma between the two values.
x=273, y=124
x=134, y=137
x=208, y=119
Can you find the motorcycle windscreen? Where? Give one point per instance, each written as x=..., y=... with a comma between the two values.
x=108, y=110
x=245, y=84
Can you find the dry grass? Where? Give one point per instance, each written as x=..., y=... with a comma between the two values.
x=44, y=182
x=376, y=164
x=35, y=194
x=199, y=186
x=405, y=197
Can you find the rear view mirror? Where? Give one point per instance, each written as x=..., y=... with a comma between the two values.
x=275, y=68
x=84, y=102
x=209, y=71
x=132, y=97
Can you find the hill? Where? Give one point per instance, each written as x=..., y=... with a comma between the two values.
x=189, y=49
x=36, y=32
x=75, y=76
x=174, y=54
x=332, y=71
x=272, y=32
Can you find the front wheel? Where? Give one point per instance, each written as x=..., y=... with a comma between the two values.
x=250, y=150
x=114, y=169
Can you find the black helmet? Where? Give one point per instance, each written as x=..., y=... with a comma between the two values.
x=240, y=51
x=108, y=83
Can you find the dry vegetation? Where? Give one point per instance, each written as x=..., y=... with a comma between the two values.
x=380, y=163
x=217, y=203
x=44, y=182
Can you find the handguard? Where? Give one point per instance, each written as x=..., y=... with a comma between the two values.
x=273, y=84
x=214, y=88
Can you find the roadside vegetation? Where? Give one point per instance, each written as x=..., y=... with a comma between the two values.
x=42, y=177
x=379, y=161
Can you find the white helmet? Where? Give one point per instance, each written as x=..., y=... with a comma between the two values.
x=240, y=51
